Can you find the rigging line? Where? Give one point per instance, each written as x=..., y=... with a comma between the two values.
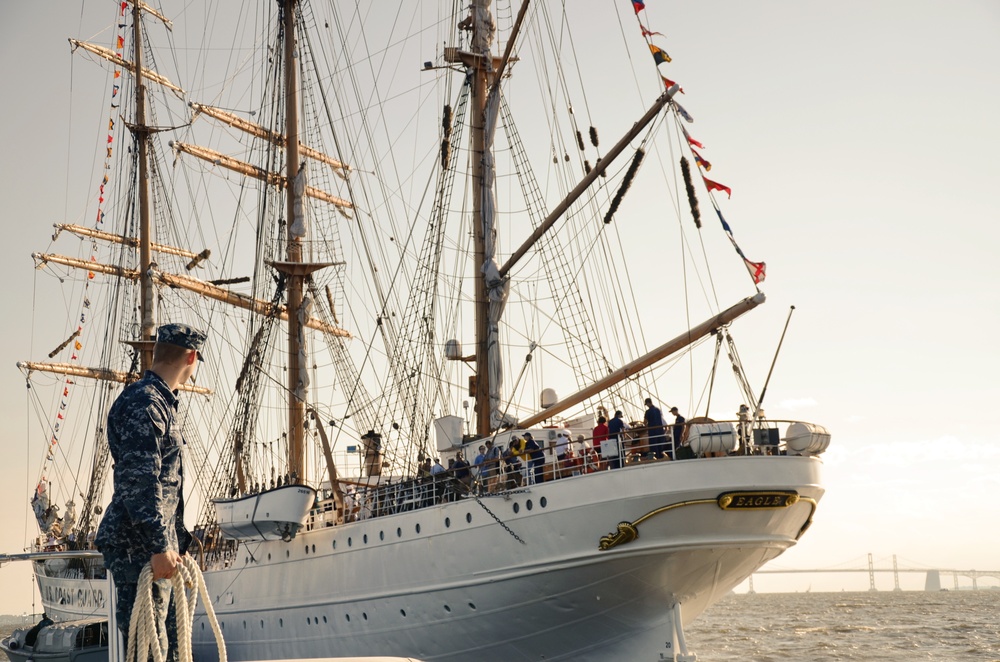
x=579, y=73
x=381, y=296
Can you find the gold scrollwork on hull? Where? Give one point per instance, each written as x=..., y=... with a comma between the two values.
x=729, y=501
x=626, y=533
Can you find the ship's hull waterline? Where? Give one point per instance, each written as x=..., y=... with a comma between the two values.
x=398, y=585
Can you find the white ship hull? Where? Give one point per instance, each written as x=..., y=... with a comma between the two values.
x=448, y=582
x=70, y=598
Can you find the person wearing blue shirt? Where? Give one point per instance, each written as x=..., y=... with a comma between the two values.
x=655, y=431
x=616, y=429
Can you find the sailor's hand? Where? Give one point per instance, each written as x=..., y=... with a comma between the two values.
x=165, y=564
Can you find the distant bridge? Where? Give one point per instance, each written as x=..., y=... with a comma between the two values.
x=932, y=582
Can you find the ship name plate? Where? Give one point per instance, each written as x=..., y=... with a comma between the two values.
x=755, y=500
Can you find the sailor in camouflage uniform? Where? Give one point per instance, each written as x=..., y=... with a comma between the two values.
x=145, y=521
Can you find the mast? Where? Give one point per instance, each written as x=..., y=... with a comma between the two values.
x=482, y=35
x=146, y=298
x=296, y=393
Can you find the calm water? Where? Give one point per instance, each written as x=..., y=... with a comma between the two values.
x=950, y=626
x=874, y=627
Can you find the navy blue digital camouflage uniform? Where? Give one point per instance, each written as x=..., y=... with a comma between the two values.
x=146, y=514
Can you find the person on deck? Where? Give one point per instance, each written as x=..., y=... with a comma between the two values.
x=616, y=429
x=491, y=466
x=562, y=452
x=600, y=434
x=144, y=523
x=653, y=420
x=536, y=459
x=463, y=470
x=678, y=428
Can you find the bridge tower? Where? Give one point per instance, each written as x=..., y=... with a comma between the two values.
x=933, y=581
x=895, y=574
x=871, y=573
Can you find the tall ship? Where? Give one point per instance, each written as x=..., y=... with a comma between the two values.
x=413, y=233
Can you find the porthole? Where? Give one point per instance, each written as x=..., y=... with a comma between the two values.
x=222, y=626
x=350, y=542
x=314, y=549
x=399, y=533
x=418, y=528
x=262, y=625
x=203, y=625
x=269, y=556
x=543, y=502
x=307, y=549
x=472, y=606
x=528, y=504
x=364, y=615
x=281, y=622
x=447, y=609
x=381, y=535
x=447, y=522
x=324, y=619
x=288, y=553
x=335, y=544
x=244, y=625
x=402, y=612
x=468, y=517
x=517, y=507
x=308, y=621
x=348, y=617
x=365, y=538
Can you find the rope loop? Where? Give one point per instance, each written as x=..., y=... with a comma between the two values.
x=145, y=639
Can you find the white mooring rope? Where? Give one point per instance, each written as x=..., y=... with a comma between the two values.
x=144, y=639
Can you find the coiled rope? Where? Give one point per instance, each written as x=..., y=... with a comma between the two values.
x=145, y=640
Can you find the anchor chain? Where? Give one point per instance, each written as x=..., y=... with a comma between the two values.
x=498, y=520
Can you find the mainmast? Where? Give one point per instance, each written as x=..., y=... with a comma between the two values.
x=482, y=37
x=146, y=298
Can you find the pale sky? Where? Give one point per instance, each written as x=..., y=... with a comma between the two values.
x=860, y=140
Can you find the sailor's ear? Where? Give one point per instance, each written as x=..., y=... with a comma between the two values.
x=192, y=357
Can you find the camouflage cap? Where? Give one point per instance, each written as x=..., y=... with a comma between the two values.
x=181, y=335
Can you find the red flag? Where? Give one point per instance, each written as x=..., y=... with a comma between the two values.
x=758, y=270
x=121, y=42
x=124, y=6
x=646, y=32
x=716, y=186
x=638, y=5
x=691, y=141
x=669, y=83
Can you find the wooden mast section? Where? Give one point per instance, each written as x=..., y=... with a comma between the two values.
x=647, y=360
x=147, y=299
x=295, y=269
x=482, y=68
x=259, y=306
